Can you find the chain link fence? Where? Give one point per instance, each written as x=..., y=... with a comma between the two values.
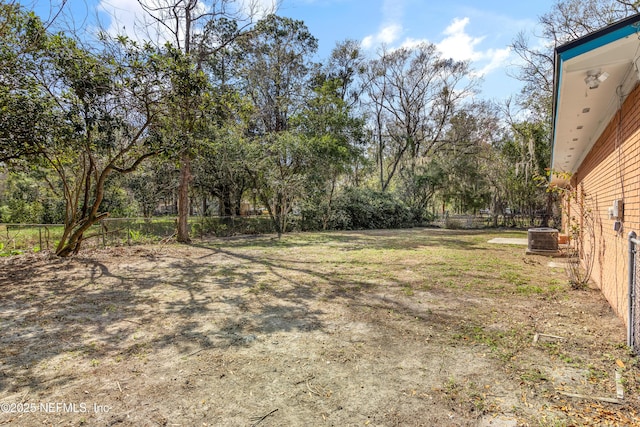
x=633, y=331
x=488, y=221
x=19, y=238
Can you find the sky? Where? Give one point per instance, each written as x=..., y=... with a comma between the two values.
x=477, y=31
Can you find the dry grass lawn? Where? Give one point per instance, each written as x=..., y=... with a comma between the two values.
x=418, y=327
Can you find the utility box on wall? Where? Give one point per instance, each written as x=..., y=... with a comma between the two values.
x=616, y=211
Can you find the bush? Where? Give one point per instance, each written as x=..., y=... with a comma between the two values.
x=21, y=211
x=358, y=209
x=5, y=213
x=230, y=226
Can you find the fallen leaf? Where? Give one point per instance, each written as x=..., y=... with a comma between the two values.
x=620, y=363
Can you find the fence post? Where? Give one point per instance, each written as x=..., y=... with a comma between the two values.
x=632, y=271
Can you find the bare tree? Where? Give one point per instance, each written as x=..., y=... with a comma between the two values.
x=414, y=92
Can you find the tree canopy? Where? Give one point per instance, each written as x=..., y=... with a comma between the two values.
x=224, y=112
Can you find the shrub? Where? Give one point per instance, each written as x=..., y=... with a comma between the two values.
x=358, y=208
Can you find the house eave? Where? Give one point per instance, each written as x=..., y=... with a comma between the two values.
x=580, y=113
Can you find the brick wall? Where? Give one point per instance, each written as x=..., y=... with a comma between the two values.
x=611, y=171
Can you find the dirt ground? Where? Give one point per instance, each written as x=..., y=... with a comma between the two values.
x=388, y=328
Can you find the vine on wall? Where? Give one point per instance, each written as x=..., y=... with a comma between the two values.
x=579, y=222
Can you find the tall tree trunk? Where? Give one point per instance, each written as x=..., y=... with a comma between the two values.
x=237, y=205
x=226, y=204
x=183, y=199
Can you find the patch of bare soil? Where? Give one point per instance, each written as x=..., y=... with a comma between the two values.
x=342, y=329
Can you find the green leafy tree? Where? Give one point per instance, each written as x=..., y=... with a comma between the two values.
x=278, y=168
x=153, y=183
x=195, y=31
x=220, y=166
x=335, y=130
x=528, y=152
x=473, y=132
x=220, y=171
x=182, y=124
x=335, y=138
x=25, y=111
x=105, y=105
x=276, y=75
x=23, y=199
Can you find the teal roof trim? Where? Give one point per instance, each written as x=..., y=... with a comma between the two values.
x=597, y=42
x=588, y=43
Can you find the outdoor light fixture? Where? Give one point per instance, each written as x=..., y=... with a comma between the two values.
x=594, y=78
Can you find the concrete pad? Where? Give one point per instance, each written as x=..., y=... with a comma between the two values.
x=555, y=254
x=555, y=264
x=510, y=241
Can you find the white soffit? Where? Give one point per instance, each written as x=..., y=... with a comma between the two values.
x=582, y=113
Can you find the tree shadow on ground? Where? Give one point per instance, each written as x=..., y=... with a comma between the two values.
x=358, y=294
x=131, y=302
x=85, y=309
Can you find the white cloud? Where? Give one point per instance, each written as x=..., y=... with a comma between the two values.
x=257, y=9
x=390, y=31
x=456, y=27
x=497, y=58
x=124, y=16
x=459, y=45
x=367, y=42
x=410, y=43
x=387, y=35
